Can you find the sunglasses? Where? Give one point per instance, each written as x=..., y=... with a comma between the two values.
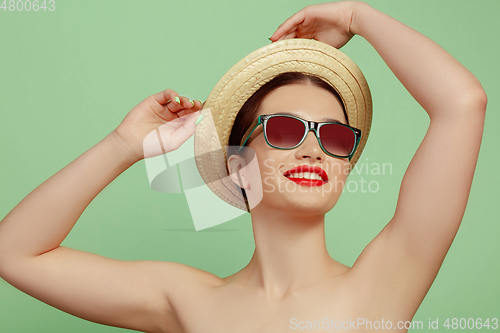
x=288, y=132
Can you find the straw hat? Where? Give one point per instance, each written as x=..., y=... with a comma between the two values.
x=252, y=72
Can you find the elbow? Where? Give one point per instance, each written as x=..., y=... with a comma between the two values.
x=469, y=105
x=475, y=102
x=481, y=100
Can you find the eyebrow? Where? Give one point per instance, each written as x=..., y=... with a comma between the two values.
x=330, y=120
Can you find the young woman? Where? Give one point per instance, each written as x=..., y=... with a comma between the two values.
x=291, y=274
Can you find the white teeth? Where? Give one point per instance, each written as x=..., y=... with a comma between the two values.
x=305, y=175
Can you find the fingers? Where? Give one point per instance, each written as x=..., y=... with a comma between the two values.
x=186, y=106
x=179, y=105
x=291, y=35
x=163, y=97
x=289, y=26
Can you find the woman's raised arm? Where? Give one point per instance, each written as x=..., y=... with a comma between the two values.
x=436, y=185
x=129, y=294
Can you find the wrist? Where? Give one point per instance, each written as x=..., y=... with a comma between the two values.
x=119, y=149
x=359, y=10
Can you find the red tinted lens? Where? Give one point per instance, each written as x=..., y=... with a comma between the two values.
x=284, y=132
x=337, y=139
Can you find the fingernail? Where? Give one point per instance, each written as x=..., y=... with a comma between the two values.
x=177, y=99
x=191, y=102
x=270, y=37
x=199, y=119
x=168, y=101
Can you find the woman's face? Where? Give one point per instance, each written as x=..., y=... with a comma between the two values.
x=308, y=102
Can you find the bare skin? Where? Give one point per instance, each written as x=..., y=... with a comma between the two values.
x=291, y=274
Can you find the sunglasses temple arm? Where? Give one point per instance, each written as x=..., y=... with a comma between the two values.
x=358, y=139
x=249, y=134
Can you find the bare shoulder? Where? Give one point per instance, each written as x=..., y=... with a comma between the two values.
x=179, y=284
x=392, y=274
x=181, y=274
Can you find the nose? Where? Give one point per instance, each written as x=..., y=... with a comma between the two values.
x=310, y=148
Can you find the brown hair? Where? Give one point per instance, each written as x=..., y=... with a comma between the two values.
x=248, y=111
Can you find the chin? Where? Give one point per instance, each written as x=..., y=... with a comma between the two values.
x=286, y=194
x=314, y=202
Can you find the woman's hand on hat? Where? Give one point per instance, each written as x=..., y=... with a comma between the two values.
x=329, y=23
x=159, y=124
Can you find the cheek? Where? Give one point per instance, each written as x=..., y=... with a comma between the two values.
x=269, y=161
x=265, y=156
x=268, y=165
x=337, y=167
x=337, y=173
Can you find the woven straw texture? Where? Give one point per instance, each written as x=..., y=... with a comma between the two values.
x=252, y=72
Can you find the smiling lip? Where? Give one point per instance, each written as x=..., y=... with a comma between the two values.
x=307, y=182
x=310, y=169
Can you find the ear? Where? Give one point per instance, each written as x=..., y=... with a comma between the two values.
x=236, y=165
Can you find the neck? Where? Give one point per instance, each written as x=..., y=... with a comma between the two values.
x=290, y=252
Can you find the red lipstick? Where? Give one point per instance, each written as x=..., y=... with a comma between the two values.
x=310, y=169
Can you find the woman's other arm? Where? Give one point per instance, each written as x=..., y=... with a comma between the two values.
x=436, y=185
x=128, y=294
x=405, y=257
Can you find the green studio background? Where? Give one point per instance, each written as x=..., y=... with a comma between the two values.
x=68, y=78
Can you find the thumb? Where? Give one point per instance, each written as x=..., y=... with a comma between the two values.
x=186, y=130
x=194, y=118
